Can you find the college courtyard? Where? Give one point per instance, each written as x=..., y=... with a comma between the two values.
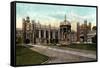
x=44, y=44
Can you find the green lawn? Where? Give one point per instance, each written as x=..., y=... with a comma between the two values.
x=25, y=56
x=84, y=46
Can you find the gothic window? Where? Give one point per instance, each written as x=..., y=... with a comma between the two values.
x=51, y=34
x=47, y=34
x=56, y=35
x=42, y=33
x=37, y=33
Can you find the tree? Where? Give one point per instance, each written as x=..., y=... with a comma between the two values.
x=19, y=40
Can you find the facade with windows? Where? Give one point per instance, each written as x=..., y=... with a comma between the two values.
x=34, y=32
x=85, y=33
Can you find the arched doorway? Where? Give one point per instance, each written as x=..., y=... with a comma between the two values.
x=82, y=38
x=27, y=41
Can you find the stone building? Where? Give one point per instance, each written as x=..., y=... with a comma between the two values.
x=92, y=34
x=27, y=31
x=34, y=32
x=84, y=31
x=65, y=30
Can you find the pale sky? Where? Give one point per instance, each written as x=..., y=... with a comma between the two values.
x=54, y=14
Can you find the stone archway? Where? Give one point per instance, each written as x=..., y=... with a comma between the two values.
x=82, y=38
x=27, y=41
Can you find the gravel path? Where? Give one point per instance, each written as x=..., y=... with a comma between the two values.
x=60, y=55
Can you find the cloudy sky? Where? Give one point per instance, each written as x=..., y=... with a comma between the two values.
x=54, y=14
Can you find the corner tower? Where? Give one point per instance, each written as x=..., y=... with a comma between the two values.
x=27, y=30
